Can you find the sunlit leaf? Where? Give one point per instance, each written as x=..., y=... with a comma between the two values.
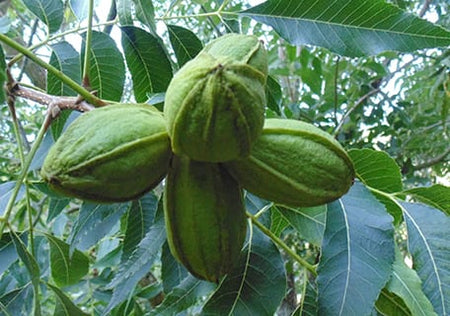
x=357, y=254
x=50, y=12
x=66, y=268
x=428, y=232
x=149, y=65
x=437, y=196
x=80, y=8
x=349, y=27
x=184, y=42
x=107, y=67
x=145, y=13
x=256, y=287
x=124, y=12
x=377, y=170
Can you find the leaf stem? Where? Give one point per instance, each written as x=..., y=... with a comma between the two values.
x=65, y=79
x=87, y=48
x=23, y=173
x=280, y=243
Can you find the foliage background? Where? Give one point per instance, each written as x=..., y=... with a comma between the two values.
x=370, y=73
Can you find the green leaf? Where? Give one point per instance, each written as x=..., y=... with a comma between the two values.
x=32, y=267
x=145, y=13
x=349, y=27
x=124, y=12
x=107, y=70
x=149, y=65
x=27, y=258
x=80, y=8
x=93, y=223
x=67, y=60
x=64, y=306
x=2, y=75
x=377, y=170
x=390, y=304
x=67, y=269
x=437, y=196
x=406, y=285
x=140, y=219
x=18, y=301
x=277, y=222
x=428, y=232
x=6, y=190
x=184, y=42
x=256, y=287
x=308, y=221
x=357, y=254
x=8, y=253
x=55, y=207
x=273, y=95
x=308, y=305
x=172, y=272
x=50, y=12
x=183, y=296
x=5, y=24
x=138, y=264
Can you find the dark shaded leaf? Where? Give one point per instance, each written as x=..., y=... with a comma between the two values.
x=185, y=43
x=256, y=287
x=390, y=304
x=64, y=306
x=138, y=264
x=308, y=306
x=93, y=223
x=349, y=27
x=308, y=221
x=172, y=272
x=273, y=95
x=357, y=254
x=67, y=60
x=66, y=268
x=2, y=74
x=428, y=232
x=50, y=12
x=403, y=293
x=183, y=296
x=6, y=190
x=140, y=218
x=149, y=65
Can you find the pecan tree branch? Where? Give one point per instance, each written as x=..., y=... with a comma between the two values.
x=61, y=102
x=433, y=161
